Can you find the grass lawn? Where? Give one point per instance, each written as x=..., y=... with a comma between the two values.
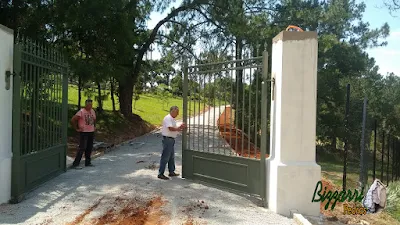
x=150, y=107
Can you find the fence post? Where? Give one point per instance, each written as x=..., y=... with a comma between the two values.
x=362, y=179
x=374, y=160
x=383, y=152
x=387, y=161
x=393, y=156
x=398, y=161
x=346, y=127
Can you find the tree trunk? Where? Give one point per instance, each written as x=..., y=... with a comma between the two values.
x=79, y=92
x=100, y=103
x=112, y=94
x=333, y=143
x=126, y=96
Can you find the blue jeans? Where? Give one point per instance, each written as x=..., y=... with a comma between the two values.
x=168, y=155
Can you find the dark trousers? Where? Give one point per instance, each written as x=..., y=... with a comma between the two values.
x=85, y=145
x=167, y=156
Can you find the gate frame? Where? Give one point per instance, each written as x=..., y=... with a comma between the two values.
x=264, y=127
x=19, y=186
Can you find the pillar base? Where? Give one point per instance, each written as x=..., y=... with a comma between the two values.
x=291, y=187
x=5, y=178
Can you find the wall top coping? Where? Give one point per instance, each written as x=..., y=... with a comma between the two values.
x=6, y=29
x=295, y=36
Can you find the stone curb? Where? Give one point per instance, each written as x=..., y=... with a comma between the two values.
x=300, y=220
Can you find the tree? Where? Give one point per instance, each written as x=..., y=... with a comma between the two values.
x=392, y=5
x=177, y=85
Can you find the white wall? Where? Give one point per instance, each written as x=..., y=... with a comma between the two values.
x=6, y=63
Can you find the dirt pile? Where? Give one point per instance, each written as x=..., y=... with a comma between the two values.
x=238, y=140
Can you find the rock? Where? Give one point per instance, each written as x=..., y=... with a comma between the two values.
x=206, y=207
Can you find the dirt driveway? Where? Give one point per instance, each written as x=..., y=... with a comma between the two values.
x=123, y=189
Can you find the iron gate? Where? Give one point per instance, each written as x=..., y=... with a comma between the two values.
x=40, y=120
x=224, y=145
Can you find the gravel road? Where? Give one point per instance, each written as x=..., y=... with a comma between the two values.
x=128, y=176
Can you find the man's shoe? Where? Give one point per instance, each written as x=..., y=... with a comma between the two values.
x=173, y=174
x=76, y=167
x=162, y=177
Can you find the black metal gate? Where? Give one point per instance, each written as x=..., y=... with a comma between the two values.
x=227, y=144
x=40, y=116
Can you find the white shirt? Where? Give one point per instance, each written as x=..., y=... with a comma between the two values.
x=169, y=121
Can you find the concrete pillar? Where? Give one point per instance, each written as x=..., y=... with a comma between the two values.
x=6, y=64
x=292, y=169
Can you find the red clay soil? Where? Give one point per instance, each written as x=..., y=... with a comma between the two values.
x=130, y=214
x=234, y=136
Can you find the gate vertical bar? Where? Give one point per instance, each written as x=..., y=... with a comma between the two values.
x=214, y=93
x=16, y=186
x=64, y=115
x=264, y=124
x=203, y=111
x=209, y=111
x=189, y=135
x=256, y=119
x=243, y=109
x=249, y=120
x=185, y=115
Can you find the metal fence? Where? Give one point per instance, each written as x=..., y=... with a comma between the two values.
x=224, y=145
x=379, y=152
x=40, y=107
x=385, y=156
x=233, y=126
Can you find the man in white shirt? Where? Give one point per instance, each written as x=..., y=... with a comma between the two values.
x=170, y=132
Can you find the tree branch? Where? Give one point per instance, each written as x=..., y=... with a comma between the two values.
x=181, y=45
x=153, y=34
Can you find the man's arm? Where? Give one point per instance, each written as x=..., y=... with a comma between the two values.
x=180, y=128
x=175, y=129
x=74, y=122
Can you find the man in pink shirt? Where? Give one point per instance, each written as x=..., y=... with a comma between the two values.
x=84, y=122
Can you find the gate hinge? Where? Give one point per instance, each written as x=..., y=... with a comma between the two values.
x=8, y=79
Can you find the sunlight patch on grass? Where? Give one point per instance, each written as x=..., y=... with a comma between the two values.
x=150, y=107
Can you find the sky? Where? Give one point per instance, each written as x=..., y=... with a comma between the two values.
x=375, y=14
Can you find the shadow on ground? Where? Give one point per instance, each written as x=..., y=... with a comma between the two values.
x=130, y=173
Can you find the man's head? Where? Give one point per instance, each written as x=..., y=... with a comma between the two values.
x=88, y=104
x=174, y=111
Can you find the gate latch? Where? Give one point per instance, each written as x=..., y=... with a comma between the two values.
x=273, y=88
x=8, y=79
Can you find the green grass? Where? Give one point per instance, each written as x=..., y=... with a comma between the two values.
x=393, y=200
x=150, y=107
x=332, y=169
